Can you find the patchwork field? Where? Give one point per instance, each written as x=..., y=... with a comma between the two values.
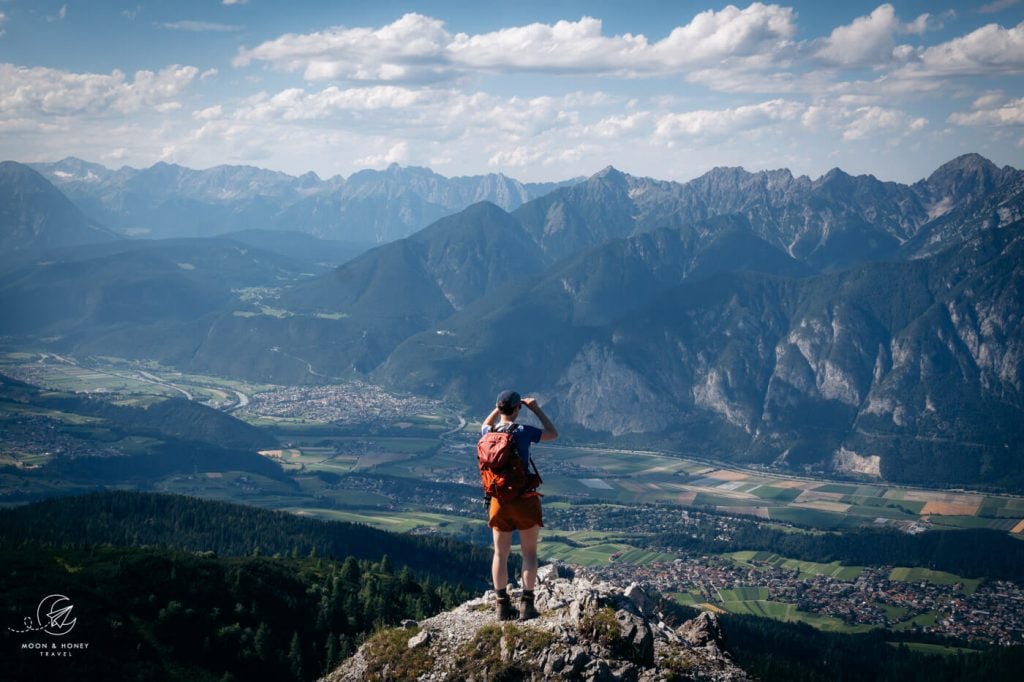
x=637, y=476
x=577, y=473
x=805, y=568
x=434, y=445
x=135, y=382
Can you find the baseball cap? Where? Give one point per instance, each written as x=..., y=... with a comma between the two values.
x=508, y=400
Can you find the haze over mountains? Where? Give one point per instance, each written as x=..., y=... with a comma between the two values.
x=840, y=323
x=167, y=200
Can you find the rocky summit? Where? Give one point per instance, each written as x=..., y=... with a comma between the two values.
x=587, y=630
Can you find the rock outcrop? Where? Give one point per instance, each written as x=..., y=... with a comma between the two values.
x=588, y=630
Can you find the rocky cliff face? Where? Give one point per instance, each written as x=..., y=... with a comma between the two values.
x=587, y=630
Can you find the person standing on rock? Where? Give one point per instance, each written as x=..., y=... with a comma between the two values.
x=521, y=514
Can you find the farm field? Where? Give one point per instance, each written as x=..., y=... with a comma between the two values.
x=805, y=568
x=134, y=382
x=767, y=609
x=403, y=438
x=576, y=473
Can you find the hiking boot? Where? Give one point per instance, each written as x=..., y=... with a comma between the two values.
x=503, y=607
x=526, y=608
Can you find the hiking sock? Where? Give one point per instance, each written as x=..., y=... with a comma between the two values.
x=527, y=611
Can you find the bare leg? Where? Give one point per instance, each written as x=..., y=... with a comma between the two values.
x=499, y=563
x=528, y=546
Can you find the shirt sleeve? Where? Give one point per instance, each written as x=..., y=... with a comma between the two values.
x=532, y=433
x=485, y=429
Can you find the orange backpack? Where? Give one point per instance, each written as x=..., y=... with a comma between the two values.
x=502, y=473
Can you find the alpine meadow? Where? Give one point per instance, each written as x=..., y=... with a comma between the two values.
x=263, y=273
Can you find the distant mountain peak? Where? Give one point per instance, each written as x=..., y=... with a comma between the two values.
x=971, y=161
x=609, y=172
x=835, y=174
x=968, y=175
x=971, y=164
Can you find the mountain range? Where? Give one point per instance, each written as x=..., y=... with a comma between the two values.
x=843, y=324
x=168, y=200
x=36, y=215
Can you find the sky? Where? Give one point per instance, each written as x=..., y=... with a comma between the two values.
x=539, y=91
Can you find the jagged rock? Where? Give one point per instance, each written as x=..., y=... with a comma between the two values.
x=588, y=630
x=637, y=637
x=701, y=630
x=554, y=570
x=636, y=594
x=419, y=640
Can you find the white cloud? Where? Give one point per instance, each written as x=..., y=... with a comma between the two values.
x=44, y=91
x=200, y=26
x=989, y=50
x=3, y=20
x=28, y=125
x=394, y=52
x=62, y=13
x=853, y=118
x=118, y=154
x=727, y=121
x=618, y=126
x=209, y=113
x=871, y=121
x=419, y=48
x=297, y=104
x=1008, y=114
x=870, y=40
x=997, y=6
x=989, y=99
x=541, y=153
x=398, y=153
x=234, y=2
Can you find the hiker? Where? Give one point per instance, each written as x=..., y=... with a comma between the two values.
x=522, y=513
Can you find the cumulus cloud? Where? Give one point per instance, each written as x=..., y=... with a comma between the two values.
x=1008, y=114
x=989, y=50
x=397, y=153
x=871, y=40
x=856, y=120
x=209, y=113
x=44, y=91
x=727, y=121
x=419, y=48
x=989, y=99
x=296, y=104
x=399, y=51
x=618, y=126
x=234, y=2
x=871, y=121
x=435, y=113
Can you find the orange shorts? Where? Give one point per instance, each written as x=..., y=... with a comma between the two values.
x=520, y=514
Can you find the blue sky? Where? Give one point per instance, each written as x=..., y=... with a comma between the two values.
x=536, y=90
